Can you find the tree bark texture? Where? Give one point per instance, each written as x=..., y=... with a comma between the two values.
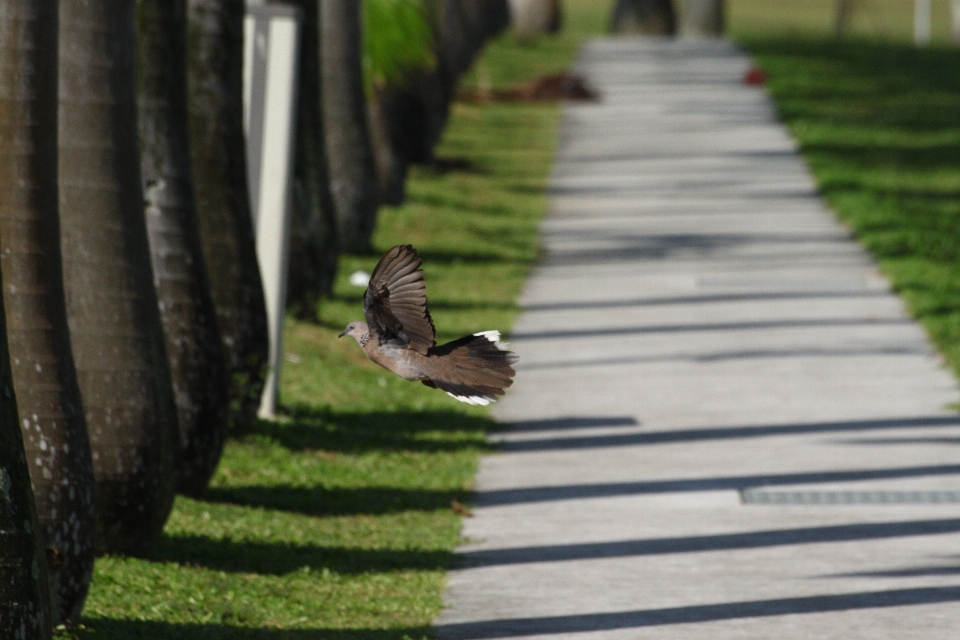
x=645, y=17
x=474, y=28
x=218, y=156
x=179, y=269
x=115, y=328
x=483, y=20
x=498, y=17
x=702, y=18
x=416, y=113
x=463, y=27
x=313, y=237
x=353, y=176
x=24, y=592
x=454, y=54
x=53, y=426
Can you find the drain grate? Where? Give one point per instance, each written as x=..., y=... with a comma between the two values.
x=764, y=496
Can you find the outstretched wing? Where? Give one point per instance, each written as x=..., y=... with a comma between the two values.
x=395, y=303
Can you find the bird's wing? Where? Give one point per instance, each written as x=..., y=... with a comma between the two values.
x=395, y=303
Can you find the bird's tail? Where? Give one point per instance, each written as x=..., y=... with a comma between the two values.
x=475, y=369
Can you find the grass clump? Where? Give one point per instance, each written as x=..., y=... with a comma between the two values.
x=337, y=520
x=879, y=125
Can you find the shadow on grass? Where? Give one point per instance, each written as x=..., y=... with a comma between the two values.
x=276, y=558
x=354, y=432
x=919, y=157
x=108, y=629
x=853, y=82
x=320, y=501
x=443, y=165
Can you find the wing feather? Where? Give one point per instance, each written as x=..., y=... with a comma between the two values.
x=395, y=303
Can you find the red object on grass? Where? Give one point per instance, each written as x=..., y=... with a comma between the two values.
x=754, y=76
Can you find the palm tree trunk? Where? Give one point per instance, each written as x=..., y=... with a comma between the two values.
x=412, y=115
x=24, y=592
x=647, y=17
x=535, y=16
x=353, y=176
x=484, y=19
x=497, y=17
x=115, y=328
x=416, y=113
x=313, y=237
x=55, y=433
x=25, y=610
x=179, y=270
x=702, y=18
x=218, y=156
x=453, y=39
x=390, y=163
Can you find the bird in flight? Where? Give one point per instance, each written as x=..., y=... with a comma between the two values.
x=399, y=335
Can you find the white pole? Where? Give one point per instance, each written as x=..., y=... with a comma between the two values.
x=921, y=22
x=271, y=44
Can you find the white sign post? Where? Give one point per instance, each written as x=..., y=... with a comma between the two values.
x=270, y=54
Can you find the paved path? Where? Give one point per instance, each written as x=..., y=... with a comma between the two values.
x=703, y=339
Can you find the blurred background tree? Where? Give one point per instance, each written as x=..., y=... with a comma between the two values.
x=701, y=18
x=398, y=42
x=314, y=247
x=528, y=17
x=350, y=158
x=376, y=86
x=644, y=17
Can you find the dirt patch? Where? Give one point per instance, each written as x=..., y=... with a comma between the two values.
x=561, y=86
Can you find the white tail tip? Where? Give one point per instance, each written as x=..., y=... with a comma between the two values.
x=471, y=399
x=359, y=278
x=494, y=337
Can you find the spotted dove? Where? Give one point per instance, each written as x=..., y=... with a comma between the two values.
x=399, y=336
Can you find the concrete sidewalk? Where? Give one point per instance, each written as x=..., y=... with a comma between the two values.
x=725, y=424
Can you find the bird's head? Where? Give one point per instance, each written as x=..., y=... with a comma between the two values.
x=356, y=330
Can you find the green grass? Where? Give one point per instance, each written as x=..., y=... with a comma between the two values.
x=879, y=125
x=886, y=20
x=336, y=521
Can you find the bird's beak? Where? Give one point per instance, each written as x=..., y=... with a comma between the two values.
x=342, y=333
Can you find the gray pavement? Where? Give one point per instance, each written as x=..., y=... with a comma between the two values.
x=724, y=424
